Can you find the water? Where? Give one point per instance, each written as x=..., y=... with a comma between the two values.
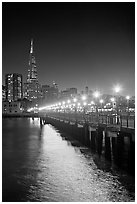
x=42, y=164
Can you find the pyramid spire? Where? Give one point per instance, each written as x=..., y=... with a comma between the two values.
x=31, y=49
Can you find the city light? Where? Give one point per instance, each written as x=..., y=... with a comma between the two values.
x=127, y=97
x=112, y=99
x=101, y=101
x=74, y=99
x=96, y=94
x=84, y=103
x=117, y=88
x=92, y=103
x=84, y=97
x=68, y=101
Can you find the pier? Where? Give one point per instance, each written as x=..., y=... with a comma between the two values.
x=108, y=135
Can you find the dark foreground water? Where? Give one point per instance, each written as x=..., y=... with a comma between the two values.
x=42, y=164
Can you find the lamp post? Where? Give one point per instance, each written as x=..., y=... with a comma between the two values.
x=92, y=111
x=75, y=108
x=101, y=101
x=68, y=101
x=63, y=107
x=84, y=110
x=128, y=97
x=84, y=104
x=117, y=90
x=96, y=94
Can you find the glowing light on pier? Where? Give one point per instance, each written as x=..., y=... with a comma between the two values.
x=74, y=99
x=84, y=103
x=117, y=88
x=127, y=97
x=112, y=99
x=101, y=101
x=96, y=94
x=84, y=97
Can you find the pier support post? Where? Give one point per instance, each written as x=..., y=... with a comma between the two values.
x=131, y=157
x=120, y=148
x=107, y=147
x=99, y=140
x=41, y=121
x=86, y=135
x=93, y=140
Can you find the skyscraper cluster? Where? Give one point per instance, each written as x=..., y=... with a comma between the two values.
x=34, y=93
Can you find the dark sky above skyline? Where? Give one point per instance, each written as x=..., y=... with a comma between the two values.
x=75, y=44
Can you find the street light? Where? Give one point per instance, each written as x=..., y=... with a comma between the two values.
x=101, y=101
x=112, y=99
x=78, y=104
x=96, y=94
x=84, y=103
x=74, y=99
x=84, y=97
x=63, y=102
x=128, y=97
x=117, y=89
x=75, y=108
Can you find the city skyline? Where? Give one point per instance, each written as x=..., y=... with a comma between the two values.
x=75, y=44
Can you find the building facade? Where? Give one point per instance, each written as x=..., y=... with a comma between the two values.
x=3, y=93
x=32, y=89
x=13, y=86
x=50, y=93
x=12, y=107
x=68, y=93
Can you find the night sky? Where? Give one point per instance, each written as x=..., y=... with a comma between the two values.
x=75, y=44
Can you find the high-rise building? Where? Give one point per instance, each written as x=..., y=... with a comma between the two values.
x=86, y=90
x=32, y=71
x=13, y=84
x=50, y=93
x=3, y=93
x=68, y=93
x=32, y=87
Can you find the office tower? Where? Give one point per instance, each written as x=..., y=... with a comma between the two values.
x=50, y=93
x=13, y=84
x=3, y=93
x=32, y=87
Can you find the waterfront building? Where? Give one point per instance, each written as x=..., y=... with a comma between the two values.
x=32, y=87
x=50, y=93
x=3, y=93
x=68, y=93
x=12, y=107
x=13, y=87
x=86, y=90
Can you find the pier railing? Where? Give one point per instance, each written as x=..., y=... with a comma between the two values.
x=125, y=120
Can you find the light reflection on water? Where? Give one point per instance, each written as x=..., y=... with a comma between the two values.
x=39, y=164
